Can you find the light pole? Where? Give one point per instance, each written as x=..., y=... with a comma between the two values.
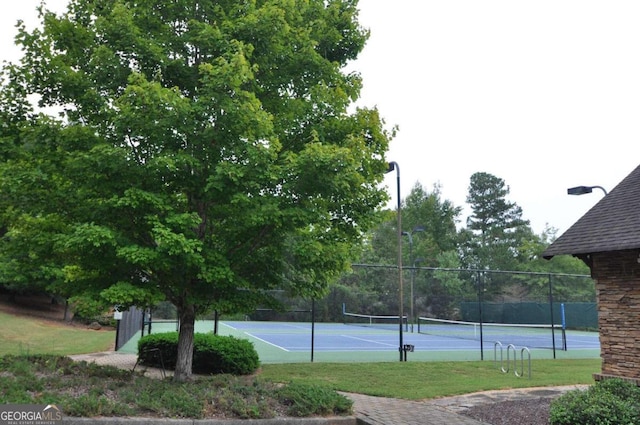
x=581, y=190
x=413, y=269
x=394, y=166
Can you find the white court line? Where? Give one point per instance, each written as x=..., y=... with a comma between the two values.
x=266, y=342
x=284, y=326
x=259, y=339
x=229, y=326
x=368, y=340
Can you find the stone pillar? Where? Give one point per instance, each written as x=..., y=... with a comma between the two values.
x=617, y=276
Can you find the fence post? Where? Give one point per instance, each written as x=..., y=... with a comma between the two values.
x=480, y=300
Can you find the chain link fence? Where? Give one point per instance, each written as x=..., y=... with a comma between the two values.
x=478, y=296
x=487, y=296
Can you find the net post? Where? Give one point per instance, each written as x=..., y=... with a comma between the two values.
x=313, y=326
x=564, y=327
x=553, y=333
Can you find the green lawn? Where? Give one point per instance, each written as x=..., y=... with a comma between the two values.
x=422, y=380
x=21, y=335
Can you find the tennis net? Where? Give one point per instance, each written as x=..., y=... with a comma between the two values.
x=375, y=321
x=522, y=335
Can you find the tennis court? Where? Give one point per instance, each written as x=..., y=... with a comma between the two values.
x=293, y=342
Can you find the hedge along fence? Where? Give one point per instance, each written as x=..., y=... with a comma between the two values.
x=578, y=315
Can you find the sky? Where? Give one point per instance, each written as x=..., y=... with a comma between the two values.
x=543, y=94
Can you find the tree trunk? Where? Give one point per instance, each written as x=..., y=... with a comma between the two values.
x=184, y=361
x=67, y=318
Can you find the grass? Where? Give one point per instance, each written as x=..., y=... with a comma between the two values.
x=423, y=380
x=25, y=335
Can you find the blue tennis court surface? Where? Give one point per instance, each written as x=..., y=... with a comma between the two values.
x=291, y=342
x=278, y=341
x=338, y=337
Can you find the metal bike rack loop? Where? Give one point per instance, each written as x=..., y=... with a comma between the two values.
x=522, y=362
x=515, y=363
x=519, y=373
x=495, y=356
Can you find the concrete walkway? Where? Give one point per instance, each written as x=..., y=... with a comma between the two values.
x=379, y=410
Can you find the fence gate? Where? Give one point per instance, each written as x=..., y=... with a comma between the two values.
x=128, y=325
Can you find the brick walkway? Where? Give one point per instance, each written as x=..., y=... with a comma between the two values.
x=391, y=411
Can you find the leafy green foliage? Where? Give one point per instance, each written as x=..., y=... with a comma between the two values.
x=25, y=383
x=224, y=354
x=164, y=398
x=93, y=404
x=159, y=349
x=432, y=222
x=429, y=240
x=498, y=238
x=495, y=227
x=88, y=309
x=203, y=154
x=307, y=400
x=610, y=401
x=212, y=353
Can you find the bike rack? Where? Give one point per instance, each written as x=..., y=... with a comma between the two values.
x=522, y=362
x=515, y=363
x=510, y=348
x=495, y=357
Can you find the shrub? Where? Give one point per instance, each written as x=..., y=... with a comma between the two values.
x=159, y=349
x=307, y=400
x=88, y=390
x=224, y=354
x=211, y=353
x=87, y=309
x=608, y=402
x=89, y=405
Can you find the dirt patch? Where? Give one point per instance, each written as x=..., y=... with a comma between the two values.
x=522, y=412
x=37, y=306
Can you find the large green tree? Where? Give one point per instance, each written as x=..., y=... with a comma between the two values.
x=431, y=222
x=495, y=228
x=203, y=152
x=429, y=240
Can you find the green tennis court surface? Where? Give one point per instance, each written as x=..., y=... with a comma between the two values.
x=292, y=342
